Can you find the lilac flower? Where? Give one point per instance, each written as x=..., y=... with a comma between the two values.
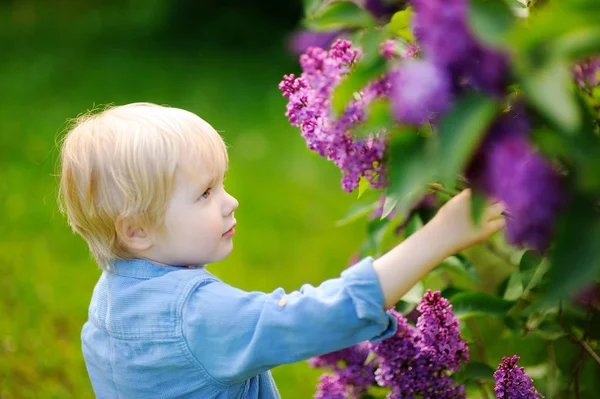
x=512, y=382
x=350, y=369
x=389, y=49
x=354, y=355
x=439, y=335
x=410, y=367
x=309, y=107
x=508, y=168
x=300, y=41
x=441, y=30
x=398, y=357
x=330, y=387
x=443, y=33
x=586, y=72
x=420, y=90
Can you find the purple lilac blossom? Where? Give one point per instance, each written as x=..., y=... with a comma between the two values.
x=301, y=40
x=410, y=367
x=389, y=49
x=309, y=107
x=508, y=168
x=330, y=387
x=586, y=72
x=420, y=91
x=439, y=335
x=349, y=367
x=444, y=36
x=512, y=382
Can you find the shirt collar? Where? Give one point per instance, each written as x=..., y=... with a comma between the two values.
x=142, y=268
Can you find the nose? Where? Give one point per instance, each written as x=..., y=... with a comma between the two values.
x=231, y=204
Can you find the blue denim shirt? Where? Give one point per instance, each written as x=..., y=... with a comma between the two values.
x=170, y=332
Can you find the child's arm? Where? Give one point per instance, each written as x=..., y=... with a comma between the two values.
x=235, y=335
x=450, y=231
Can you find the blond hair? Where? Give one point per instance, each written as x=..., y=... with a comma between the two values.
x=120, y=163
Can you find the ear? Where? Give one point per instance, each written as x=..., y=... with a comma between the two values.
x=131, y=234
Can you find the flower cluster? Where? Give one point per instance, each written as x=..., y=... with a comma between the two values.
x=352, y=377
x=439, y=336
x=442, y=31
x=512, y=382
x=309, y=107
x=414, y=361
x=587, y=72
x=508, y=168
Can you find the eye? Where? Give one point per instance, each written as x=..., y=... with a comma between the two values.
x=204, y=195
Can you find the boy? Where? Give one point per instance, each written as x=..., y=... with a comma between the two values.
x=143, y=185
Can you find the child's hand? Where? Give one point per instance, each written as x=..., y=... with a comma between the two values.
x=456, y=222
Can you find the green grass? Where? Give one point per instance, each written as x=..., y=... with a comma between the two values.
x=289, y=197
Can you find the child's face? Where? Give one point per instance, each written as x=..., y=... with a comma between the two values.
x=199, y=222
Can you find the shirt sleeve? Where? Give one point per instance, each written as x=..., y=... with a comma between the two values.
x=236, y=335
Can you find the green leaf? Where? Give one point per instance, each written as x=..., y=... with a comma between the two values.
x=478, y=203
x=460, y=132
x=409, y=166
x=514, y=288
x=371, y=65
x=414, y=224
x=471, y=304
x=490, y=21
x=415, y=294
x=577, y=44
x=401, y=23
x=339, y=15
x=550, y=90
x=311, y=6
x=476, y=371
x=363, y=186
x=389, y=205
x=379, y=118
x=375, y=231
x=356, y=212
x=530, y=260
x=531, y=269
x=575, y=259
x=550, y=330
x=460, y=265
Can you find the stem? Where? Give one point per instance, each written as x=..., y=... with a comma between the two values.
x=589, y=349
x=440, y=189
x=479, y=344
x=482, y=390
x=551, y=370
x=478, y=340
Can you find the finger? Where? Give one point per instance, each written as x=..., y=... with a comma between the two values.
x=494, y=210
x=495, y=225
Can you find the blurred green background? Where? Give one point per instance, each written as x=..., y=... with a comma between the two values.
x=220, y=59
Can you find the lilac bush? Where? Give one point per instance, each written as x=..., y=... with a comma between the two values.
x=466, y=94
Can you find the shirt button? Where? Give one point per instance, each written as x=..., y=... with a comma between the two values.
x=282, y=302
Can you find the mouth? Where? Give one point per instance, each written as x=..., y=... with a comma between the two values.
x=229, y=232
